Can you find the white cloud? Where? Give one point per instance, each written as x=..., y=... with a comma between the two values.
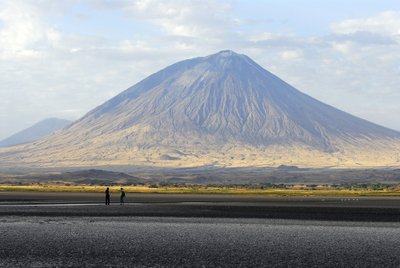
x=19, y=31
x=343, y=47
x=292, y=55
x=190, y=18
x=384, y=23
x=23, y=32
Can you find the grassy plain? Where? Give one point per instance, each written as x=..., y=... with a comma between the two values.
x=206, y=190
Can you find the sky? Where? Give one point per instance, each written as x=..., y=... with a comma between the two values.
x=64, y=58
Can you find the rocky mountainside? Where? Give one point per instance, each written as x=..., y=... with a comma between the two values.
x=223, y=109
x=39, y=130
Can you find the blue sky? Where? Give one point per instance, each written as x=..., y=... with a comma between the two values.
x=63, y=58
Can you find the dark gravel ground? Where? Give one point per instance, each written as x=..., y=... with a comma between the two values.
x=215, y=206
x=76, y=197
x=195, y=242
x=77, y=230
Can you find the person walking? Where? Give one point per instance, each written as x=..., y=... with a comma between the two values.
x=121, y=200
x=107, y=196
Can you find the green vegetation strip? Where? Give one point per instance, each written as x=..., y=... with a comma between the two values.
x=203, y=190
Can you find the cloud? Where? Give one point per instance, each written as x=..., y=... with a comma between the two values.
x=179, y=18
x=292, y=55
x=19, y=31
x=190, y=18
x=384, y=23
x=365, y=38
x=24, y=34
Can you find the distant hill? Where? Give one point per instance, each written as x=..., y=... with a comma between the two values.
x=37, y=131
x=92, y=176
x=221, y=110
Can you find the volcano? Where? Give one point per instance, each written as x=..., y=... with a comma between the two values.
x=219, y=110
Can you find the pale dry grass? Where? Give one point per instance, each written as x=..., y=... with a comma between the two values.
x=203, y=190
x=100, y=153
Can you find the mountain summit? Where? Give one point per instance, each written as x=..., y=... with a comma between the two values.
x=223, y=109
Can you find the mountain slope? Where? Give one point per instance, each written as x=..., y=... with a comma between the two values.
x=223, y=109
x=229, y=96
x=37, y=131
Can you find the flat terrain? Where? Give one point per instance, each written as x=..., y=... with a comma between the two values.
x=383, y=209
x=181, y=230
x=195, y=242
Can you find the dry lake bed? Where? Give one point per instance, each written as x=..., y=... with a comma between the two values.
x=156, y=230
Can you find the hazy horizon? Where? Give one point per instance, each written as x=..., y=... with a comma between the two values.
x=63, y=59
